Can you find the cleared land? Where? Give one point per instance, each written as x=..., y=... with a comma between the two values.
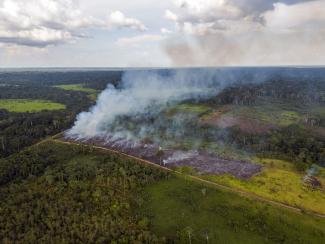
x=28, y=105
x=282, y=185
x=80, y=87
x=260, y=119
x=197, y=109
x=218, y=181
x=269, y=178
x=202, y=162
x=187, y=210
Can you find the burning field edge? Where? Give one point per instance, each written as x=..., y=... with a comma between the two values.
x=60, y=138
x=202, y=162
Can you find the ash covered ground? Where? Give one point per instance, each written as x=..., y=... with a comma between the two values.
x=153, y=109
x=202, y=162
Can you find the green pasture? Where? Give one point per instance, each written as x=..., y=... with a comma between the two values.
x=196, y=109
x=277, y=114
x=191, y=212
x=28, y=105
x=279, y=181
x=270, y=114
x=92, y=93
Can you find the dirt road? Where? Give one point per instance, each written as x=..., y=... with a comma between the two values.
x=198, y=179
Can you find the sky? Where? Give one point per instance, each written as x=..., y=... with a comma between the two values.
x=161, y=33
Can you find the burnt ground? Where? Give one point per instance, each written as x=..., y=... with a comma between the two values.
x=202, y=162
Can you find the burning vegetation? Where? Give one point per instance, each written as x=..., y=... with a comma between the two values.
x=178, y=118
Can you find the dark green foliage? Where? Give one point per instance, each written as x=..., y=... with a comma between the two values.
x=179, y=206
x=61, y=193
x=65, y=194
x=296, y=142
x=291, y=143
x=299, y=91
x=18, y=130
x=92, y=78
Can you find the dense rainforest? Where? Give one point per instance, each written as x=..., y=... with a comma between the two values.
x=59, y=193
x=65, y=194
x=18, y=130
x=55, y=192
x=302, y=142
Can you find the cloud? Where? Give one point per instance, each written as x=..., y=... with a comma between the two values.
x=165, y=31
x=170, y=15
x=300, y=16
x=210, y=16
x=247, y=32
x=136, y=40
x=119, y=20
x=42, y=22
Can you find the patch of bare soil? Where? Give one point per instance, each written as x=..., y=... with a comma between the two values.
x=202, y=162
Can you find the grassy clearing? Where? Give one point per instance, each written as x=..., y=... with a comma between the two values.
x=76, y=87
x=188, y=211
x=280, y=182
x=275, y=163
x=196, y=109
x=27, y=105
x=80, y=87
x=269, y=114
x=275, y=113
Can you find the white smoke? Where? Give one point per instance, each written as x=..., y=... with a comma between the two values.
x=143, y=95
x=140, y=94
x=246, y=33
x=180, y=155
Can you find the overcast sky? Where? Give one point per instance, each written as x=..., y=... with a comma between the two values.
x=137, y=33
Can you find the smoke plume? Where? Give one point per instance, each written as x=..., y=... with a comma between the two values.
x=143, y=95
x=247, y=33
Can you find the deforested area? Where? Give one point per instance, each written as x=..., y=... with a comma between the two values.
x=216, y=155
x=69, y=193
x=174, y=121
x=256, y=129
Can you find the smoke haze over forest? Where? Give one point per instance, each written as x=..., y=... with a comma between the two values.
x=80, y=33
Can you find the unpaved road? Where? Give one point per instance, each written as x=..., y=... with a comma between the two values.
x=201, y=161
x=197, y=179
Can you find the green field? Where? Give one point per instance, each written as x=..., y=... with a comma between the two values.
x=59, y=189
x=80, y=87
x=269, y=114
x=277, y=114
x=197, y=109
x=282, y=185
x=191, y=212
x=28, y=105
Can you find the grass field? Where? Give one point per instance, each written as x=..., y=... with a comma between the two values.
x=191, y=212
x=80, y=87
x=188, y=108
x=271, y=114
x=280, y=182
x=187, y=211
x=276, y=113
x=27, y=105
